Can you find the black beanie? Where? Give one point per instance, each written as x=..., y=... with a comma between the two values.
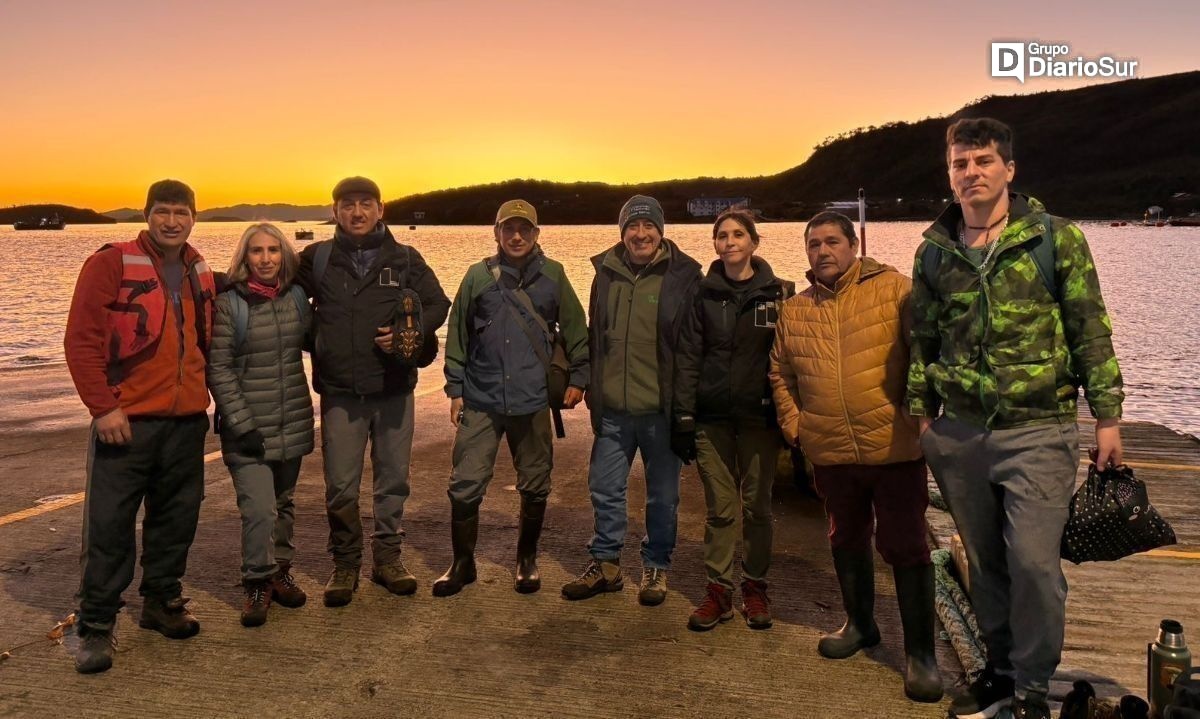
x=642, y=207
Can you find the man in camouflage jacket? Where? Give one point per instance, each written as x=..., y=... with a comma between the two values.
x=1004, y=335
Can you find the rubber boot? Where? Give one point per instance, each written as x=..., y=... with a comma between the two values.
x=914, y=593
x=856, y=575
x=530, y=530
x=464, y=530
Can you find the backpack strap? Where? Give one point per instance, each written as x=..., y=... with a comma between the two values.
x=301, y=300
x=931, y=260
x=240, y=311
x=1043, y=252
x=321, y=262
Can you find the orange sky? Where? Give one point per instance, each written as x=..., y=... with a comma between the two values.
x=274, y=101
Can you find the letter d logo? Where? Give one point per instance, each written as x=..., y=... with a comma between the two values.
x=1008, y=60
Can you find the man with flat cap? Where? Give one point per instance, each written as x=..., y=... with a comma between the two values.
x=511, y=311
x=377, y=306
x=643, y=291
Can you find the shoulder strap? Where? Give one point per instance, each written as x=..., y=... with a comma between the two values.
x=527, y=303
x=321, y=262
x=931, y=259
x=301, y=300
x=240, y=312
x=1043, y=252
x=520, y=319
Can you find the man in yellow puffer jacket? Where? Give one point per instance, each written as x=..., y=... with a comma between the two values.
x=838, y=371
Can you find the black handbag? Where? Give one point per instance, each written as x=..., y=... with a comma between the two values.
x=1111, y=517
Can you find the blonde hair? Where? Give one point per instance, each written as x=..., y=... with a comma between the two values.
x=239, y=272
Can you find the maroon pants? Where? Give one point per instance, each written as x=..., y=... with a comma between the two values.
x=888, y=500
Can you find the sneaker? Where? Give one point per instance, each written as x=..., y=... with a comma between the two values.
x=258, y=601
x=599, y=577
x=284, y=589
x=170, y=618
x=96, y=649
x=394, y=577
x=1031, y=707
x=340, y=588
x=653, y=589
x=717, y=607
x=756, y=607
x=985, y=697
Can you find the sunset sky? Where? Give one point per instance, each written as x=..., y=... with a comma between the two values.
x=274, y=101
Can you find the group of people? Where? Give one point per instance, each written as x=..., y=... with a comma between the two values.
x=972, y=367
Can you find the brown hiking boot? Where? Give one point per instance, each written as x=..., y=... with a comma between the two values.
x=284, y=589
x=340, y=588
x=756, y=607
x=258, y=601
x=394, y=577
x=169, y=618
x=599, y=577
x=717, y=607
x=653, y=589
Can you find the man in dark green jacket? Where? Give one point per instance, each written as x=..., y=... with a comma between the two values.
x=641, y=296
x=1009, y=322
x=498, y=385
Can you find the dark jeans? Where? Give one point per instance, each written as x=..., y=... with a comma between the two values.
x=163, y=466
x=887, y=500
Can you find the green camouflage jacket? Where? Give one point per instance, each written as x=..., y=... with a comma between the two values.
x=991, y=343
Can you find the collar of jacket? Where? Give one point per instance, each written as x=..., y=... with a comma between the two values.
x=862, y=270
x=716, y=280
x=375, y=238
x=187, y=254
x=525, y=274
x=614, y=259
x=1024, y=222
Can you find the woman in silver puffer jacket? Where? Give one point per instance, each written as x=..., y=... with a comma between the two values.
x=256, y=375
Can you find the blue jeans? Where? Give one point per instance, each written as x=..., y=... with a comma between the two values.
x=619, y=438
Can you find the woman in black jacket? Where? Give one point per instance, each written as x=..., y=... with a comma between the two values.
x=722, y=385
x=256, y=375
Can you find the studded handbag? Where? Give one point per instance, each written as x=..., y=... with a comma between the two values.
x=1111, y=517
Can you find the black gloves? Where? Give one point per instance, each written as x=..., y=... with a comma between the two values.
x=683, y=438
x=252, y=444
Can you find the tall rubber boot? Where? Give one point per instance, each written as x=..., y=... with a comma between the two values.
x=914, y=593
x=530, y=530
x=856, y=575
x=464, y=530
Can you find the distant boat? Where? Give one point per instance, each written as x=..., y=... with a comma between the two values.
x=304, y=234
x=53, y=222
x=1192, y=220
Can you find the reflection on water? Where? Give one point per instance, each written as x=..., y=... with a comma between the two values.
x=1151, y=303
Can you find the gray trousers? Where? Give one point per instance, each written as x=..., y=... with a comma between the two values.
x=737, y=467
x=264, y=497
x=347, y=423
x=478, y=439
x=1009, y=491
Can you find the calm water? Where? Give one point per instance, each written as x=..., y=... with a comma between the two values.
x=1152, y=304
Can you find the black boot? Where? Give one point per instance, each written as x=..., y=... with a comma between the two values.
x=96, y=647
x=532, y=514
x=856, y=575
x=914, y=593
x=464, y=530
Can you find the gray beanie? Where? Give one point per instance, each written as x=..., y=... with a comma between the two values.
x=641, y=207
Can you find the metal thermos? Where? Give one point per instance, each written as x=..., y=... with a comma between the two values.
x=1166, y=658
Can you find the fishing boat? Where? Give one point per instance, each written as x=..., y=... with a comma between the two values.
x=54, y=222
x=304, y=234
x=1192, y=220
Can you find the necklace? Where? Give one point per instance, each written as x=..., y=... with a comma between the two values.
x=988, y=242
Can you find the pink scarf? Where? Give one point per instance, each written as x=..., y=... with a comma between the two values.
x=268, y=291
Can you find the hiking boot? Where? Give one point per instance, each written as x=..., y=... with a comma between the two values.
x=985, y=697
x=717, y=607
x=96, y=648
x=1033, y=706
x=170, y=618
x=653, y=589
x=284, y=589
x=464, y=530
x=340, y=588
x=601, y=575
x=914, y=593
x=856, y=575
x=258, y=601
x=756, y=607
x=529, y=531
x=394, y=577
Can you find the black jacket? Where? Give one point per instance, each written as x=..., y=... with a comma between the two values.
x=679, y=286
x=725, y=348
x=348, y=310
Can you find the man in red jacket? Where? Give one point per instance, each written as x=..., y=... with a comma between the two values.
x=135, y=343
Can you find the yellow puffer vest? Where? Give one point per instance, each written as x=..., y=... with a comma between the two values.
x=839, y=368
